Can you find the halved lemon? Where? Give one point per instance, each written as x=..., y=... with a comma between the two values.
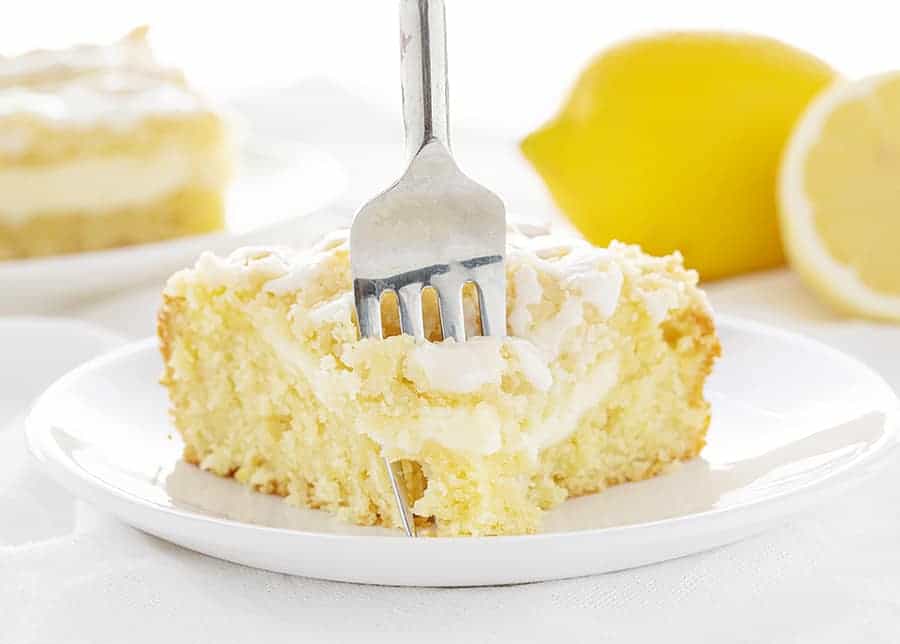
x=839, y=196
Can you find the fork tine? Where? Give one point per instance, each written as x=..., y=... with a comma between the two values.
x=409, y=298
x=491, y=287
x=453, y=322
x=395, y=474
x=368, y=308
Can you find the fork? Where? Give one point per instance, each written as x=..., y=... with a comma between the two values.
x=434, y=227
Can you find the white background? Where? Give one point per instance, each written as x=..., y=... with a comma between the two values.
x=68, y=574
x=511, y=61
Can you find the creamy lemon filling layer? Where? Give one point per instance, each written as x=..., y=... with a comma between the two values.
x=101, y=185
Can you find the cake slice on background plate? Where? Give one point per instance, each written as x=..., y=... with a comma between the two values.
x=600, y=381
x=101, y=146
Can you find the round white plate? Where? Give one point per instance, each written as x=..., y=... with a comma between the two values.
x=36, y=351
x=793, y=420
x=280, y=193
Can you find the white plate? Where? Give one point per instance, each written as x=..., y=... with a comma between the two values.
x=279, y=195
x=793, y=420
x=36, y=351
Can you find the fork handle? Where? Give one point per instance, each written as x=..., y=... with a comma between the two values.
x=423, y=55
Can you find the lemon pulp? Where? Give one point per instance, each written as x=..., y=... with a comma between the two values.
x=852, y=181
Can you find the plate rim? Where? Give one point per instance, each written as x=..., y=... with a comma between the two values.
x=77, y=479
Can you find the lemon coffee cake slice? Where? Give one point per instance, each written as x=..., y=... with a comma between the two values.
x=599, y=381
x=101, y=146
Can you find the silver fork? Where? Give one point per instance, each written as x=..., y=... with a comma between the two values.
x=434, y=227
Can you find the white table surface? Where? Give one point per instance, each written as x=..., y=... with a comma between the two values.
x=69, y=574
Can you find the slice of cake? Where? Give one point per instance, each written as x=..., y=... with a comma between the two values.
x=600, y=381
x=101, y=146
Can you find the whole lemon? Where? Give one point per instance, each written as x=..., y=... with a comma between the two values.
x=673, y=142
